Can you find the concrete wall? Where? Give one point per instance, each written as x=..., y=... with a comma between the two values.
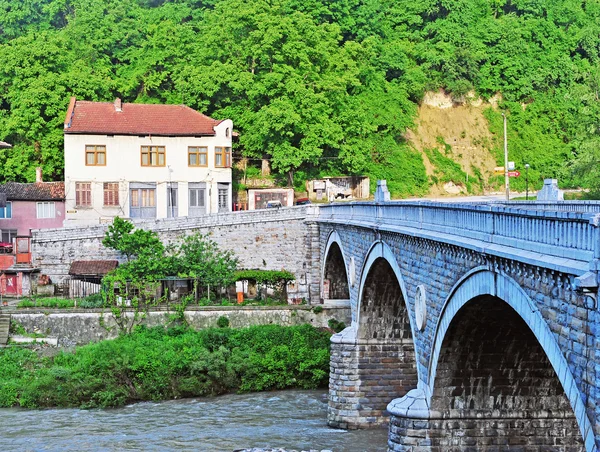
x=272, y=239
x=85, y=326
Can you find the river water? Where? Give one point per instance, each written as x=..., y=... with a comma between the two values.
x=286, y=419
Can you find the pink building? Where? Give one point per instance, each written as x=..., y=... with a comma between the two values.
x=38, y=205
x=30, y=206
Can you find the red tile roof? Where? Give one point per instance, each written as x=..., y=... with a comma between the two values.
x=92, y=268
x=108, y=118
x=37, y=191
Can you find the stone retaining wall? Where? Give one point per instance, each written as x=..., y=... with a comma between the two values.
x=86, y=326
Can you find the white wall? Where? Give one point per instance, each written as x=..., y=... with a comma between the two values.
x=123, y=165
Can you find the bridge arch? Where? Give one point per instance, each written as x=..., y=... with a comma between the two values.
x=335, y=270
x=374, y=360
x=478, y=286
x=381, y=259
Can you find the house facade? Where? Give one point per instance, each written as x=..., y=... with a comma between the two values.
x=38, y=205
x=144, y=161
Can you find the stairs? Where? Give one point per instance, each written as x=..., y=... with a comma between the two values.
x=4, y=327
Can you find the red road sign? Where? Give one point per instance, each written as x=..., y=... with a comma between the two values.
x=514, y=174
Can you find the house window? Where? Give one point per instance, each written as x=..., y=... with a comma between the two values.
x=172, y=211
x=222, y=157
x=153, y=156
x=95, y=155
x=223, y=194
x=197, y=156
x=45, y=210
x=6, y=212
x=83, y=194
x=197, y=199
x=8, y=235
x=111, y=193
x=142, y=200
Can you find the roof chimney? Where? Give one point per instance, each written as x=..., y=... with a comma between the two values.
x=118, y=105
x=38, y=174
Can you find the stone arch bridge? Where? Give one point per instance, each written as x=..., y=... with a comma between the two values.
x=474, y=327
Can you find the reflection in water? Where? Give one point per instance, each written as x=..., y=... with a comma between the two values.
x=287, y=419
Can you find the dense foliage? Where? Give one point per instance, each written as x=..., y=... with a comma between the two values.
x=158, y=364
x=316, y=86
x=134, y=287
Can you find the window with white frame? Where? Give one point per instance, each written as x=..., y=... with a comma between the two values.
x=45, y=210
x=6, y=212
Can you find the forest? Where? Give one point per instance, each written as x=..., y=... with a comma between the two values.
x=318, y=87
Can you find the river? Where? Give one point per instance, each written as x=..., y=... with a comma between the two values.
x=286, y=419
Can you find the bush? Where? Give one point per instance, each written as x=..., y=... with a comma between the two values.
x=91, y=301
x=222, y=322
x=51, y=302
x=158, y=363
x=336, y=325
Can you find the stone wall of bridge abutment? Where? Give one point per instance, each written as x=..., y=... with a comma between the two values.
x=510, y=253
x=272, y=239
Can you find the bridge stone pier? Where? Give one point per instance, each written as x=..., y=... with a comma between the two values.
x=474, y=326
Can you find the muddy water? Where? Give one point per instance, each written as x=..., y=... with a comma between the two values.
x=286, y=419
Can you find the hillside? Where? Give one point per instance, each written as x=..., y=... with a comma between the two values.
x=322, y=87
x=460, y=132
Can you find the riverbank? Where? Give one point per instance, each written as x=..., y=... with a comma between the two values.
x=81, y=326
x=161, y=364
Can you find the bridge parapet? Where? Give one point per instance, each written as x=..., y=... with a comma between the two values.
x=572, y=237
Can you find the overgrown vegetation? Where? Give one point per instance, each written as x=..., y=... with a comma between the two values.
x=49, y=302
x=158, y=364
x=135, y=286
x=319, y=88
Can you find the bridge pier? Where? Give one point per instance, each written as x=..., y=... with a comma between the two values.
x=365, y=375
x=469, y=430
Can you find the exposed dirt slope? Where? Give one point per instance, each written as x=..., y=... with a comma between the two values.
x=462, y=126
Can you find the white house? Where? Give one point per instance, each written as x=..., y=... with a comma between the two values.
x=144, y=161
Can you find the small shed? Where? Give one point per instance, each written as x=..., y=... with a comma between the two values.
x=258, y=198
x=86, y=276
x=344, y=187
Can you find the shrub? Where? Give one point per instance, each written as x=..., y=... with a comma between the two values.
x=223, y=322
x=158, y=363
x=91, y=301
x=336, y=325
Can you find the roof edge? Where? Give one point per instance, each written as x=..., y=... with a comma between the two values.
x=79, y=132
x=70, y=111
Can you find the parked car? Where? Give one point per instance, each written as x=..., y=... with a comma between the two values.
x=274, y=204
x=302, y=201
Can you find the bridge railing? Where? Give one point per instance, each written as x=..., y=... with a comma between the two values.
x=561, y=206
x=571, y=235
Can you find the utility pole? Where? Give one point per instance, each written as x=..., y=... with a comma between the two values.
x=526, y=181
x=506, y=183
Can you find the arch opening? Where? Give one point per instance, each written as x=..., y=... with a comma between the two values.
x=377, y=364
x=494, y=380
x=383, y=313
x=335, y=282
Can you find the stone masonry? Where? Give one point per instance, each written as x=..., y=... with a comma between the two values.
x=272, y=239
x=525, y=372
